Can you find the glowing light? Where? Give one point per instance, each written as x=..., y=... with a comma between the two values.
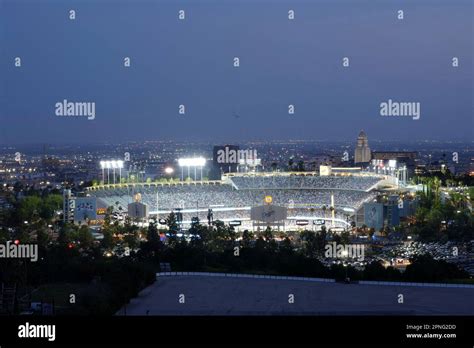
x=192, y=162
x=268, y=199
x=169, y=170
x=113, y=164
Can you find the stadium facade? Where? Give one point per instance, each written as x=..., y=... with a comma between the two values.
x=310, y=200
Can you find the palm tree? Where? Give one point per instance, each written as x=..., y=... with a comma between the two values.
x=300, y=167
x=290, y=164
x=456, y=199
x=436, y=185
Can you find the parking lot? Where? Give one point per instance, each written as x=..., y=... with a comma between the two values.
x=205, y=295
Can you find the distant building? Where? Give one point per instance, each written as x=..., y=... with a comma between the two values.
x=388, y=214
x=314, y=163
x=407, y=208
x=400, y=159
x=391, y=211
x=409, y=157
x=362, y=155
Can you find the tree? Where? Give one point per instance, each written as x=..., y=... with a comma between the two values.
x=290, y=163
x=131, y=240
x=247, y=238
x=108, y=240
x=285, y=247
x=321, y=240
x=42, y=238
x=311, y=248
x=300, y=167
x=425, y=268
x=66, y=234
x=84, y=237
x=345, y=237
x=221, y=237
x=171, y=222
x=268, y=234
x=107, y=217
x=231, y=235
x=152, y=233
x=29, y=207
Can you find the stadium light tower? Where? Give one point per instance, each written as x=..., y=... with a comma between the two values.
x=111, y=165
x=102, y=166
x=120, y=166
x=196, y=162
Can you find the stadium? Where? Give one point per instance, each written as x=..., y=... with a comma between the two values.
x=303, y=198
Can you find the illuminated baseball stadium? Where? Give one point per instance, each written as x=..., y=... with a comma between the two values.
x=305, y=198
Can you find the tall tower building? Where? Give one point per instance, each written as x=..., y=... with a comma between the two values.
x=362, y=153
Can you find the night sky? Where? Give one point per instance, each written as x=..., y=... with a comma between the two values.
x=191, y=62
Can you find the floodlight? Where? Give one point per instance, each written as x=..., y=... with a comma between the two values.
x=192, y=162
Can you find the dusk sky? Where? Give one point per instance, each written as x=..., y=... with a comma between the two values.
x=190, y=62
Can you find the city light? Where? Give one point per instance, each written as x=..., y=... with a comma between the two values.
x=169, y=170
